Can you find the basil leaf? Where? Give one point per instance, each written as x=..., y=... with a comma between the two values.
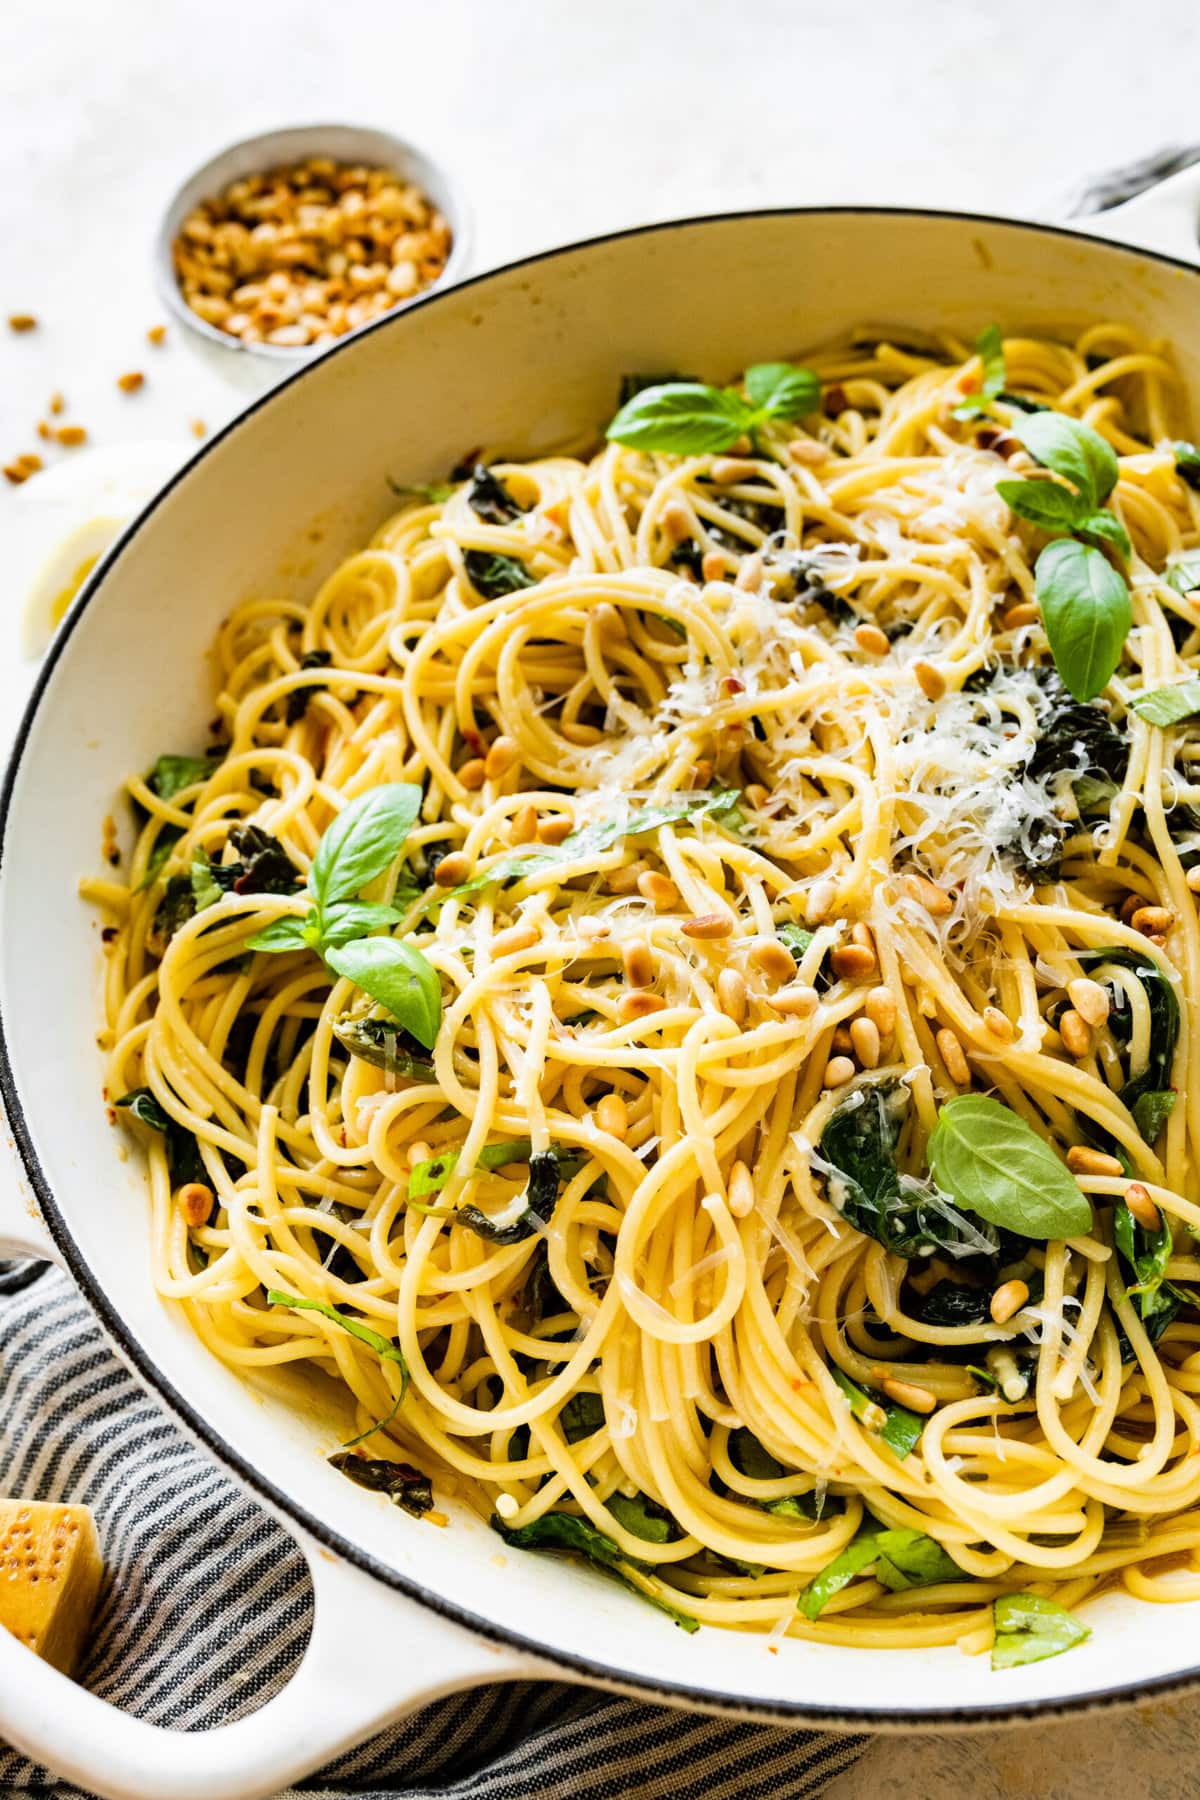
x=382, y=1346
x=399, y=977
x=994, y=1164
x=164, y=843
x=989, y=346
x=1187, y=462
x=490, y=500
x=581, y=1417
x=783, y=391
x=383, y=1044
x=493, y=575
x=1073, y=450
x=1167, y=705
x=171, y=774
x=683, y=418
x=1086, y=612
x=206, y=889
x=1029, y=1629
x=1044, y=503
x=403, y=1485
x=563, y=1531
x=288, y=933
x=641, y=1517
x=355, y=918
x=363, y=842
x=794, y=937
x=593, y=840
x=1104, y=528
x=900, y=1429
x=1183, y=570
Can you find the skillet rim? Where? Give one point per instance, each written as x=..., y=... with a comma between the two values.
x=276, y=1500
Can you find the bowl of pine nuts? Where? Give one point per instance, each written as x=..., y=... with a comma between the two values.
x=285, y=243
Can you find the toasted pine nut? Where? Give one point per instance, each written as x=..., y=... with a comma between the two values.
x=638, y=1005
x=808, y=451
x=1129, y=906
x=908, y=1393
x=157, y=334
x=864, y=1035
x=799, y=1001
x=1193, y=879
x=741, y=1191
x=638, y=963
x=881, y=1010
x=728, y=469
x=658, y=888
x=870, y=639
x=1137, y=1199
x=676, y=521
x=819, y=901
x=625, y=879
x=22, y=322
x=612, y=1115
x=936, y=901
x=517, y=937
x=473, y=774
x=1024, y=613
x=708, y=925
x=1089, y=999
x=71, y=436
x=731, y=994
x=712, y=565
x=1151, y=919
x=999, y=1024
x=195, y=1202
x=524, y=824
x=773, y=958
x=853, y=961
x=129, y=384
x=841, y=1041
x=504, y=754
x=1075, y=1033
x=452, y=870
x=838, y=1071
x=1008, y=1299
x=931, y=681
x=1083, y=1161
x=951, y=1053
x=750, y=574
x=555, y=829
x=418, y=1152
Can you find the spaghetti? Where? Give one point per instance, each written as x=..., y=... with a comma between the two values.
x=754, y=826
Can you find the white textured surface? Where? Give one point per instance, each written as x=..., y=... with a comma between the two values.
x=563, y=120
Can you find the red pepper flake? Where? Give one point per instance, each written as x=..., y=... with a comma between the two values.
x=108, y=934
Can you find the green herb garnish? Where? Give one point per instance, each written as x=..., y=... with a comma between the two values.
x=688, y=418
x=1029, y=1629
x=990, y=348
x=989, y=1160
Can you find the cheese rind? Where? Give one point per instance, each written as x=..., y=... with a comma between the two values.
x=50, y=1574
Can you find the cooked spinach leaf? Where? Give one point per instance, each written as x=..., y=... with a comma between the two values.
x=184, y=1162
x=488, y=497
x=643, y=1517
x=382, y=1346
x=1078, y=741
x=171, y=774
x=908, y=1217
x=563, y=1531
x=582, y=1415
x=902, y=1558
x=535, y=1205
x=1187, y=462
x=1147, y=1254
x=1148, y=1094
x=1183, y=572
x=298, y=699
x=1168, y=705
x=264, y=866
x=431, y=1177
x=403, y=1485
x=899, y=1428
x=954, y=1303
x=1030, y=1628
x=493, y=576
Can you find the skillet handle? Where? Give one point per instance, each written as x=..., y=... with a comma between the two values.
x=1165, y=218
x=374, y=1657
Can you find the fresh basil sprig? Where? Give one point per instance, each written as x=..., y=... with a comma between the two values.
x=362, y=844
x=688, y=418
x=1084, y=599
x=995, y=1165
x=989, y=347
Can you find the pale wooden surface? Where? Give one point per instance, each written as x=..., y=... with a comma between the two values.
x=564, y=119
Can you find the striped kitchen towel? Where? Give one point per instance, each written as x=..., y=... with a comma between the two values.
x=209, y=1606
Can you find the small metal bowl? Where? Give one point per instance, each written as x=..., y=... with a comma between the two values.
x=261, y=365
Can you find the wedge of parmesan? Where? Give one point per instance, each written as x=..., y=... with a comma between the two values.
x=50, y=1573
